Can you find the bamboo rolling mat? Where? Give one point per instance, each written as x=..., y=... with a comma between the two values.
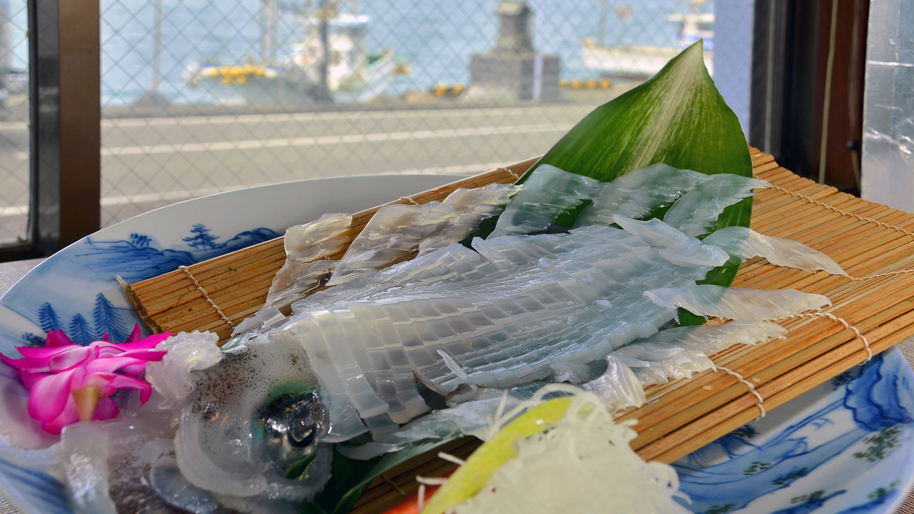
x=873, y=309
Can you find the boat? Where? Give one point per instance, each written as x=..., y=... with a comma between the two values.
x=640, y=62
x=353, y=74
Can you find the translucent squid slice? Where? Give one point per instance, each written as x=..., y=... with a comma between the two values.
x=548, y=194
x=86, y=449
x=640, y=193
x=744, y=243
x=653, y=232
x=296, y=279
x=391, y=235
x=738, y=303
x=306, y=245
x=710, y=339
x=618, y=387
x=680, y=352
x=397, y=231
x=475, y=206
x=455, y=263
x=678, y=248
x=696, y=211
x=658, y=363
x=507, y=252
x=318, y=239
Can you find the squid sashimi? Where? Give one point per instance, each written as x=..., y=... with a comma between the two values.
x=396, y=231
x=534, y=302
x=743, y=243
x=672, y=354
x=551, y=197
x=307, y=248
x=696, y=211
x=640, y=193
x=367, y=355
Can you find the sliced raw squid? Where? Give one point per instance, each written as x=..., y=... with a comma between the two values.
x=474, y=206
x=397, y=231
x=619, y=387
x=674, y=353
x=696, y=212
x=640, y=193
x=667, y=355
x=680, y=352
x=658, y=363
x=738, y=303
x=744, y=243
x=505, y=314
x=710, y=339
x=516, y=310
x=676, y=246
x=549, y=194
x=306, y=247
x=391, y=235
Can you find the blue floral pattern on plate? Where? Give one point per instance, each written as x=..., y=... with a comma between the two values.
x=134, y=259
x=845, y=446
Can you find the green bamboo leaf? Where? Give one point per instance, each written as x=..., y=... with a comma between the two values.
x=677, y=117
x=349, y=477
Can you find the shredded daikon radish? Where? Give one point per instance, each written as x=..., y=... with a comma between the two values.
x=583, y=464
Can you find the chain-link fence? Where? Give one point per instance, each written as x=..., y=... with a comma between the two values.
x=14, y=115
x=200, y=96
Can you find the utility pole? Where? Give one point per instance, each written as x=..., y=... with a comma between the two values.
x=268, y=20
x=601, y=30
x=157, y=48
x=325, y=14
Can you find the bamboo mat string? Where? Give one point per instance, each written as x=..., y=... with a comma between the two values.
x=391, y=483
x=206, y=297
x=839, y=211
x=409, y=200
x=510, y=172
x=866, y=342
x=882, y=275
x=761, y=401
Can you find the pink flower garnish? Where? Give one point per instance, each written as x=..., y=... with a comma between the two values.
x=69, y=383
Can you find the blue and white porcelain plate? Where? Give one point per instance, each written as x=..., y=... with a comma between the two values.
x=845, y=446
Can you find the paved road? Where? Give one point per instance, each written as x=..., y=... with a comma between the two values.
x=147, y=162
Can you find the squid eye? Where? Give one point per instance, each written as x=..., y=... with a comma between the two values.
x=289, y=426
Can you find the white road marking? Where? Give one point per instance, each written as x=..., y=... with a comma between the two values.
x=228, y=119
x=449, y=170
x=250, y=144
x=15, y=210
x=333, y=116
